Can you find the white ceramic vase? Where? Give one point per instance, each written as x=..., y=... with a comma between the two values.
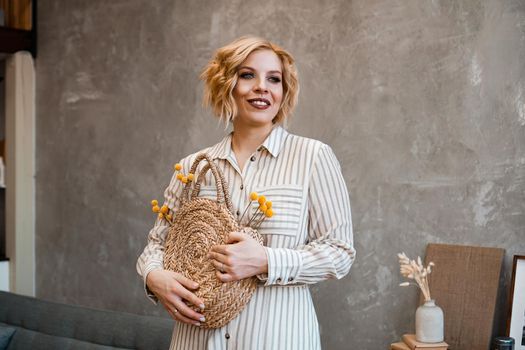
x=429, y=323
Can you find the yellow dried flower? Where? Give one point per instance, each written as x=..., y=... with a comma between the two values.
x=178, y=167
x=263, y=208
x=268, y=213
x=262, y=200
x=268, y=204
x=254, y=196
x=155, y=209
x=190, y=177
x=164, y=209
x=161, y=215
x=169, y=217
x=184, y=179
x=154, y=202
x=179, y=176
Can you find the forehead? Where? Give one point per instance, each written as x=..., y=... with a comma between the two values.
x=263, y=60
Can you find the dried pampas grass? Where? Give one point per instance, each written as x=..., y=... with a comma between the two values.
x=416, y=271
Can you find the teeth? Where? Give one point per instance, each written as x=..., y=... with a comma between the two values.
x=259, y=103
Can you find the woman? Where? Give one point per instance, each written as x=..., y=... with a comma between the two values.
x=252, y=83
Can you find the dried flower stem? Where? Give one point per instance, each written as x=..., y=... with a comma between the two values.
x=255, y=217
x=416, y=271
x=259, y=221
x=245, y=210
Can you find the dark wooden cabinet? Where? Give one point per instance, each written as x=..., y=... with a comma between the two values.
x=19, y=31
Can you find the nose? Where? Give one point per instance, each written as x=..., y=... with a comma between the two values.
x=260, y=85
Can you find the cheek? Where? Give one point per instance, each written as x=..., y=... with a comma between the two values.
x=241, y=88
x=278, y=95
x=237, y=95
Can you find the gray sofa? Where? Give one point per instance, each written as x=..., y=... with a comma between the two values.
x=40, y=324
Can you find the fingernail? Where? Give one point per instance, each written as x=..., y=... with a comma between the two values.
x=197, y=323
x=202, y=319
x=201, y=306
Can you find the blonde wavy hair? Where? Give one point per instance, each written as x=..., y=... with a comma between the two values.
x=220, y=77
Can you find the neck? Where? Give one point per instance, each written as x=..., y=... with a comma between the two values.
x=246, y=139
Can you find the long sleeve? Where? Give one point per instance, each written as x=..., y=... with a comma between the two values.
x=153, y=255
x=330, y=251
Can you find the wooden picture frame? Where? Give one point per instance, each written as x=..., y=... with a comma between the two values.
x=516, y=320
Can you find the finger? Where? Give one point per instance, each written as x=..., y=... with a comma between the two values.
x=181, y=318
x=186, y=282
x=178, y=307
x=219, y=257
x=222, y=267
x=224, y=277
x=187, y=312
x=192, y=298
x=174, y=313
x=235, y=236
x=222, y=249
x=186, y=294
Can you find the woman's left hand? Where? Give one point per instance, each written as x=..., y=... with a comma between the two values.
x=240, y=258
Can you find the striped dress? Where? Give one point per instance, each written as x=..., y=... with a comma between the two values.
x=308, y=240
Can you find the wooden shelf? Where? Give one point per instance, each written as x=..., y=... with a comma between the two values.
x=13, y=40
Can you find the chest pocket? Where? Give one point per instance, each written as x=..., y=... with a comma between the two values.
x=287, y=203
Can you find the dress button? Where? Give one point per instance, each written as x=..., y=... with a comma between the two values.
x=242, y=187
x=238, y=213
x=290, y=279
x=252, y=158
x=227, y=335
x=279, y=280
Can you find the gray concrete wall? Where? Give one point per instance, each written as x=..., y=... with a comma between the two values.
x=422, y=101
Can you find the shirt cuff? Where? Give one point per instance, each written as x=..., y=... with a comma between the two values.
x=149, y=293
x=262, y=277
x=284, y=265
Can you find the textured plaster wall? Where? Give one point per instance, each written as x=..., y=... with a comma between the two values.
x=422, y=101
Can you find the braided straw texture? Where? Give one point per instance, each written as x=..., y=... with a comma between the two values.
x=199, y=224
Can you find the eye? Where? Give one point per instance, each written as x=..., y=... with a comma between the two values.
x=275, y=79
x=246, y=75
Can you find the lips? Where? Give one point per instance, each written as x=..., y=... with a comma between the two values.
x=259, y=102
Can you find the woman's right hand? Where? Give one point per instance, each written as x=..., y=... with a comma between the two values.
x=171, y=288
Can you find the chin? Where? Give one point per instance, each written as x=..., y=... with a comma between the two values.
x=257, y=119
x=260, y=122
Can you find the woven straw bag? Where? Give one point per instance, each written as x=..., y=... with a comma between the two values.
x=199, y=224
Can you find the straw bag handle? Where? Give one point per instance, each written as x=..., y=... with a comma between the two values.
x=223, y=195
x=202, y=175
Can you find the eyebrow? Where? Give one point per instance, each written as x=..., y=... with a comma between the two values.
x=250, y=68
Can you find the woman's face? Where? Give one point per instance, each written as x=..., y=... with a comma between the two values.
x=259, y=89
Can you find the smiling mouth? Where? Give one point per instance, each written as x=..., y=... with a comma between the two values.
x=259, y=102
